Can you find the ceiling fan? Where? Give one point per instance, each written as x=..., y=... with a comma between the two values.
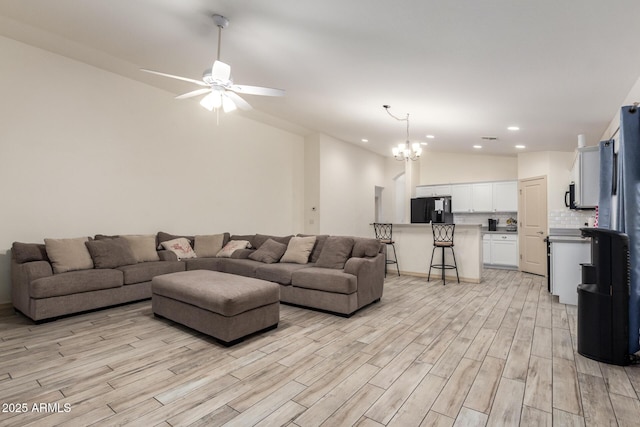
x=217, y=82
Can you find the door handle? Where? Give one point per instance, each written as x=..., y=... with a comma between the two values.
x=540, y=232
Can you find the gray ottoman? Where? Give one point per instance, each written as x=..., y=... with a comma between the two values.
x=225, y=306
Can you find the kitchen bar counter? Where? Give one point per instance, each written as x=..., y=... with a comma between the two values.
x=414, y=243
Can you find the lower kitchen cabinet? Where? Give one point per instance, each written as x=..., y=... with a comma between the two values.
x=502, y=249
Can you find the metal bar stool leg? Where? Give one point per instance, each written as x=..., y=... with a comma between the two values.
x=455, y=263
x=444, y=282
x=396, y=258
x=431, y=263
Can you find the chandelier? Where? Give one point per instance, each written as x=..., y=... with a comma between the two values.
x=405, y=150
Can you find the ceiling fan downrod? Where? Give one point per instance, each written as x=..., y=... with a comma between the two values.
x=221, y=22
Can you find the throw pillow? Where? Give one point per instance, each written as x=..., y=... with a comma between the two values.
x=317, y=249
x=336, y=252
x=269, y=252
x=248, y=237
x=110, y=253
x=299, y=250
x=231, y=247
x=26, y=252
x=165, y=237
x=143, y=247
x=365, y=247
x=259, y=239
x=68, y=254
x=180, y=247
x=208, y=246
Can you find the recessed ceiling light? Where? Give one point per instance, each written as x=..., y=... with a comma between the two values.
x=424, y=143
x=430, y=136
x=364, y=140
x=477, y=146
x=520, y=146
x=513, y=128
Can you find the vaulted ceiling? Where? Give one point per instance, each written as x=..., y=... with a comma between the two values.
x=462, y=69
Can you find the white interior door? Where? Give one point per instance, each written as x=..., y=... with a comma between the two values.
x=532, y=218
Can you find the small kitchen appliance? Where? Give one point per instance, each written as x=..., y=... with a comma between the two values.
x=493, y=224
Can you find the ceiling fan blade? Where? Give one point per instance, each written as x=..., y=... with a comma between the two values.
x=171, y=76
x=221, y=71
x=257, y=90
x=193, y=93
x=240, y=103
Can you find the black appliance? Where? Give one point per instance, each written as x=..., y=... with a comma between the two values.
x=603, y=298
x=570, y=197
x=431, y=209
x=493, y=223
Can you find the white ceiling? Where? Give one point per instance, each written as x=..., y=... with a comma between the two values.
x=463, y=69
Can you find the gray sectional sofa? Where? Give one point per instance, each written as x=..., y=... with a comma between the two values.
x=341, y=275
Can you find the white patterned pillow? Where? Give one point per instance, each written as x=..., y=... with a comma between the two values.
x=180, y=247
x=231, y=247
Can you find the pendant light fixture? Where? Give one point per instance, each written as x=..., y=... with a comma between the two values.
x=405, y=151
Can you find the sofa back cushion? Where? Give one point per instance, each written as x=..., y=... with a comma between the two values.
x=209, y=245
x=317, y=248
x=68, y=254
x=365, y=247
x=335, y=252
x=259, y=239
x=269, y=252
x=143, y=247
x=299, y=249
x=111, y=253
x=27, y=252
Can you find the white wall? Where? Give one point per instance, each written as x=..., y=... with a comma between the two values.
x=348, y=177
x=85, y=151
x=447, y=168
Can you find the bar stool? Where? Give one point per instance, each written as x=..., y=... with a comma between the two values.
x=384, y=233
x=443, y=238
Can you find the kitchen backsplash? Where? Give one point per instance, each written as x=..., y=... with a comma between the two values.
x=565, y=218
x=483, y=218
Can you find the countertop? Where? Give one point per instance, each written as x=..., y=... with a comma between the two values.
x=499, y=230
x=427, y=224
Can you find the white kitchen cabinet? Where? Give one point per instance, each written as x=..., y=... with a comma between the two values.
x=461, y=198
x=566, y=272
x=505, y=196
x=500, y=249
x=482, y=197
x=433, y=190
x=586, y=175
x=486, y=249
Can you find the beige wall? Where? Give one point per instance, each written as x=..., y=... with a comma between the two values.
x=348, y=177
x=447, y=168
x=556, y=166
x=85, y=151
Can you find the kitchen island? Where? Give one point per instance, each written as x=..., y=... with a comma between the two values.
x=414, y=243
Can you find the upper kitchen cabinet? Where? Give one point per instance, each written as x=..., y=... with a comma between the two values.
x=505, y=196
x=433, y=190
x=484, y=197
x=586, y=175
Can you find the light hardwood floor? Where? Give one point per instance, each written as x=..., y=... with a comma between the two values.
x=498, y=353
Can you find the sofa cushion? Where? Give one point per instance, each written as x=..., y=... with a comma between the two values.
x=145, y=271
x=27, y=252
x=279, y=272
x=260, y=239
x=365, y=247
x=241, y=267
x=325, y=279
x=317, y=248
x=68, y=254
x=181, y=247
x=231, y=247
x=210, y=245
x=248, y=237
x=143, y=247
x=164, y=237
x=110, y=253
x=74, y=282
x=242, y=253
x=299, y=249
x=335, y=252
x=269, y=252
x=212, y=264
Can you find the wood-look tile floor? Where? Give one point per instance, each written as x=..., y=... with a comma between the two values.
x=499, y=353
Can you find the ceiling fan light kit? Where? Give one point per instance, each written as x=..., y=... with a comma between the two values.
x=218, y=85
